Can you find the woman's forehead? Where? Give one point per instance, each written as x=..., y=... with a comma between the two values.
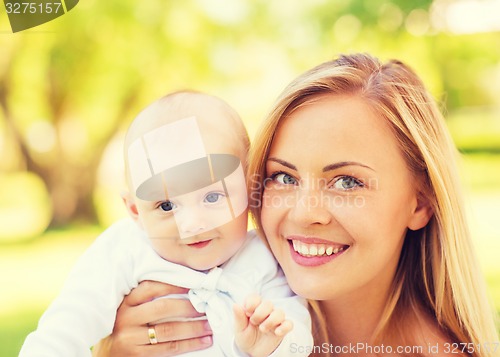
x=339, y=128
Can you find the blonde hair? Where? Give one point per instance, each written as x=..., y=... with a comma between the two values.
x=437, y=271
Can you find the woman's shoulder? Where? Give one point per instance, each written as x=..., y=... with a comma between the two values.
x=435, y=342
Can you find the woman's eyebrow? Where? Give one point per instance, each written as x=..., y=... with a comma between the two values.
x=284, y=163
x=337, y=165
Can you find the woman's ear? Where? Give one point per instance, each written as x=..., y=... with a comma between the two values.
x=421, y=214
x=130, y=205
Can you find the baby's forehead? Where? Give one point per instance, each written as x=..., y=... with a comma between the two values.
x=187, y=135
x=218, y=124
x=175, y=151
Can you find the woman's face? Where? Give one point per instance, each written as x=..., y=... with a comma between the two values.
x=338, y=199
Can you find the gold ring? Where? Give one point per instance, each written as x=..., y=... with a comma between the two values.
x=152, y=335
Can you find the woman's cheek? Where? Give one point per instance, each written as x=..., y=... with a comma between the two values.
x=276, y=202
x=267, y=211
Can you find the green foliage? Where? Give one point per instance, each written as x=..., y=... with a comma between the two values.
x=24, y=206
x=14, y=328
x=481, y=172
x=476, y=130
x=33, y=272
x=69, y=86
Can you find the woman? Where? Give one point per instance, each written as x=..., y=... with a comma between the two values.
x=381, y=152
x=354, y=185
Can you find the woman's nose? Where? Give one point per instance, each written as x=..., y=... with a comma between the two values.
x=311, y=208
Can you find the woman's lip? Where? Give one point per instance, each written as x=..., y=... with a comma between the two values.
x=313, y=240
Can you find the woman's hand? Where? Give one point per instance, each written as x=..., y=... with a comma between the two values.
x=137, y=313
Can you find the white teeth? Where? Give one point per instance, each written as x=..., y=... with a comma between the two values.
x=313, y=250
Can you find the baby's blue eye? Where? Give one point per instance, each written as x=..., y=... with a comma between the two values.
x=347, y=183
x=167, y=206
x=213, y=197
x=284, y=179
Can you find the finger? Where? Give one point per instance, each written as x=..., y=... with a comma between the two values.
x=133, y=336
x=251, y=303
x=240, y=318
x=155, y=310
x=275, y=318
x=174, y=348
x=181, y=330
x=261, y=312
x=148, y=290
x=285, y=327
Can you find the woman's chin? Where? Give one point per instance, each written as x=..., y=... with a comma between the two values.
x=310, y=286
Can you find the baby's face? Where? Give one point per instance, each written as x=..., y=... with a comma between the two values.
x=178, y=230
x=192, y=201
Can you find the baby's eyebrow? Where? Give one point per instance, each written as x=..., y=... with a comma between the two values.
x=283, y=162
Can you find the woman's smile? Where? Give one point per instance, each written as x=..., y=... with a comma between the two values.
x=314, y=254
x=312, y=251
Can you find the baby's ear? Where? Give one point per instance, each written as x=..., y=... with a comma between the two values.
x=422, y=213
x=130, y=205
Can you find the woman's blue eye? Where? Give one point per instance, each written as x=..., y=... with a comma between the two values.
x=213, y=197
x=167, y=206
x=346, y=183
x=284, y=179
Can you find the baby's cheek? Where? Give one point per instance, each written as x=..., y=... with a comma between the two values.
x=162, y=231
x=173, y=252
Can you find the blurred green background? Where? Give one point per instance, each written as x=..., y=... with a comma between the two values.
x=69, y=88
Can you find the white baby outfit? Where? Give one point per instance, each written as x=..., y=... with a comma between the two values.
x=122, y=256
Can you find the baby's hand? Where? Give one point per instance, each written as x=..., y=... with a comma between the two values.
x=260, y=327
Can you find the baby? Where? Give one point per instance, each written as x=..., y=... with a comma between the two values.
x=185, y=158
